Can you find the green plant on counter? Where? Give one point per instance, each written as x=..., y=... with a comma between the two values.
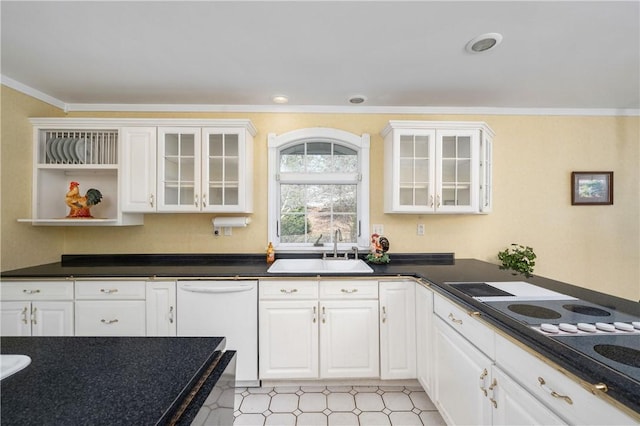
x=518, y=258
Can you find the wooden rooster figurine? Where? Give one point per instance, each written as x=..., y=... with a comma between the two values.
x=80, y=206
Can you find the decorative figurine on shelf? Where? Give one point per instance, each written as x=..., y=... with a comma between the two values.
x=80, y=206
x=379, y=249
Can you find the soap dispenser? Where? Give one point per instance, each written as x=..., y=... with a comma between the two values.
x=271, y=253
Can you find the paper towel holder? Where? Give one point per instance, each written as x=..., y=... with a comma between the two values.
x=224, y=224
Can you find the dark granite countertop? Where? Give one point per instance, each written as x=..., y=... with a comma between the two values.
x=436, y=269
x=102, y=380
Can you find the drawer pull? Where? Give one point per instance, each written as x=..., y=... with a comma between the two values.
x=34, y=320
x=324, y=316
x=482, y=377
x=553, y=393
x=151, y=200
x=24, y=315
x=384, y=314
x=288, y=291
x=454, y=319
x=104, y=321
x=315, y=311
x=27, y=291
x=108, y=290
x=347, y=291
x=171, y=314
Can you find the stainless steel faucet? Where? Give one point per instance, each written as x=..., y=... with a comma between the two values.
x=336, y=235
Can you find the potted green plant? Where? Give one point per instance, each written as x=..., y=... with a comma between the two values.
x=518, y=258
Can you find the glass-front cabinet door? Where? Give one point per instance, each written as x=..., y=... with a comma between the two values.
x=416, y=151
x=458, y=171
x=179, y=169
x=223, y=171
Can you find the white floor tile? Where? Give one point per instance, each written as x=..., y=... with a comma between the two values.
x=284, y=403
x=432, y=418
x=405, y=418
x=255, y=404
x=311, y=419
x=343, y=419
x=281, y=419
x=397, y=401
x=374, y=419
x=249, y=420
x=369, y=401
x=313, y=402
x=421, y=401
x=340, y=402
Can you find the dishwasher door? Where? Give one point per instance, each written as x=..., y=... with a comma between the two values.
x=223, y=309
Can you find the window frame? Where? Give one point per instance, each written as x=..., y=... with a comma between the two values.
x=359, y=143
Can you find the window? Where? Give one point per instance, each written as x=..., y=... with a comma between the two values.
x=318, y=183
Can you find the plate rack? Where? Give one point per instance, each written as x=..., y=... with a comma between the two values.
x=78, y=147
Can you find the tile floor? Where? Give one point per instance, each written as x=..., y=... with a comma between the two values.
x=335, y=405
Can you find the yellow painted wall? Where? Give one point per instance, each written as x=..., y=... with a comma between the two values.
x=597, y=247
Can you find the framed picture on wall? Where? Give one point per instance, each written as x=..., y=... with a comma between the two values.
x=591, y=188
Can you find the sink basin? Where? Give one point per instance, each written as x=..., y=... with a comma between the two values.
x=319, y=266
x=10, y=364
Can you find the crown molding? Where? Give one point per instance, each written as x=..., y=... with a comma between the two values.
x=315, y=109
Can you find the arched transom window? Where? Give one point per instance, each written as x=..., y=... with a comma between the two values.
x=318, y=189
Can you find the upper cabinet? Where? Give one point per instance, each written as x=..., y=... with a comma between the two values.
x=437, y=167
x=141, y=166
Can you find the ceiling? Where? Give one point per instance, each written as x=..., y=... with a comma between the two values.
x=554, y=54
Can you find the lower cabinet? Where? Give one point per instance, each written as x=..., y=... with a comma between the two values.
x=424, y=339
x=397, y=330
x=161, y=308
x=462, y=378
x=110, y=308
x=44, y=318
x=310, y=329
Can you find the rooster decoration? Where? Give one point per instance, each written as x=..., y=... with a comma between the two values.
x=80, y=206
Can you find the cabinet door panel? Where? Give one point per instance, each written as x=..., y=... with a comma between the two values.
x=15, y=318
x=461, y=373
x=288, y=339
x=138, y=166
x=110, y=318
x=397, y=330
x=424, y=339
x=161, y=308
x=349, y=340
x=52, y=318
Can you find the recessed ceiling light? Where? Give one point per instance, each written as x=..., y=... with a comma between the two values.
x=357, y=99
x=280, y=99
x=484, y=42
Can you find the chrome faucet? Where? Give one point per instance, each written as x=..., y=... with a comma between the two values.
x=336, y=235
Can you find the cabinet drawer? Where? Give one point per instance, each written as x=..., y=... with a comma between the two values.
x=348, y=289
x=285, y=290
x=473, y=330
x=105, y=318
x=37, y=290
x=565, y=396
x=110, y=290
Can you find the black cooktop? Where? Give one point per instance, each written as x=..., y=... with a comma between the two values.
x=479, y=290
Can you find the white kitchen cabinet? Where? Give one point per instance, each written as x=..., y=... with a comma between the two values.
x=435, y=167
x=574, y=402
x=311, y=329
x=349, y=342
x=288, y=339
x=37, y=308
x=425, y=352
x=462, y=378
x=110, y=308
x=161, y=308
x=37, y=318
x=138, y=159
x=205, y=169
x=514, y=405
x=397, y=330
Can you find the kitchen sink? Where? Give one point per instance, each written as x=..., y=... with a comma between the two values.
x=319, y=266
x=11, y=364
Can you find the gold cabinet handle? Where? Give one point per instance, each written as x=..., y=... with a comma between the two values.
x=553, y=393
x=108, y=290
x=24, y=315
x=482, y=377
x=113, y=321
x=288, y=291
x=29, y=291
x=454, y=319
x=492, y=388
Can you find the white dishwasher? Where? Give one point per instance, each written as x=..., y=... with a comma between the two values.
x=223, y=309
